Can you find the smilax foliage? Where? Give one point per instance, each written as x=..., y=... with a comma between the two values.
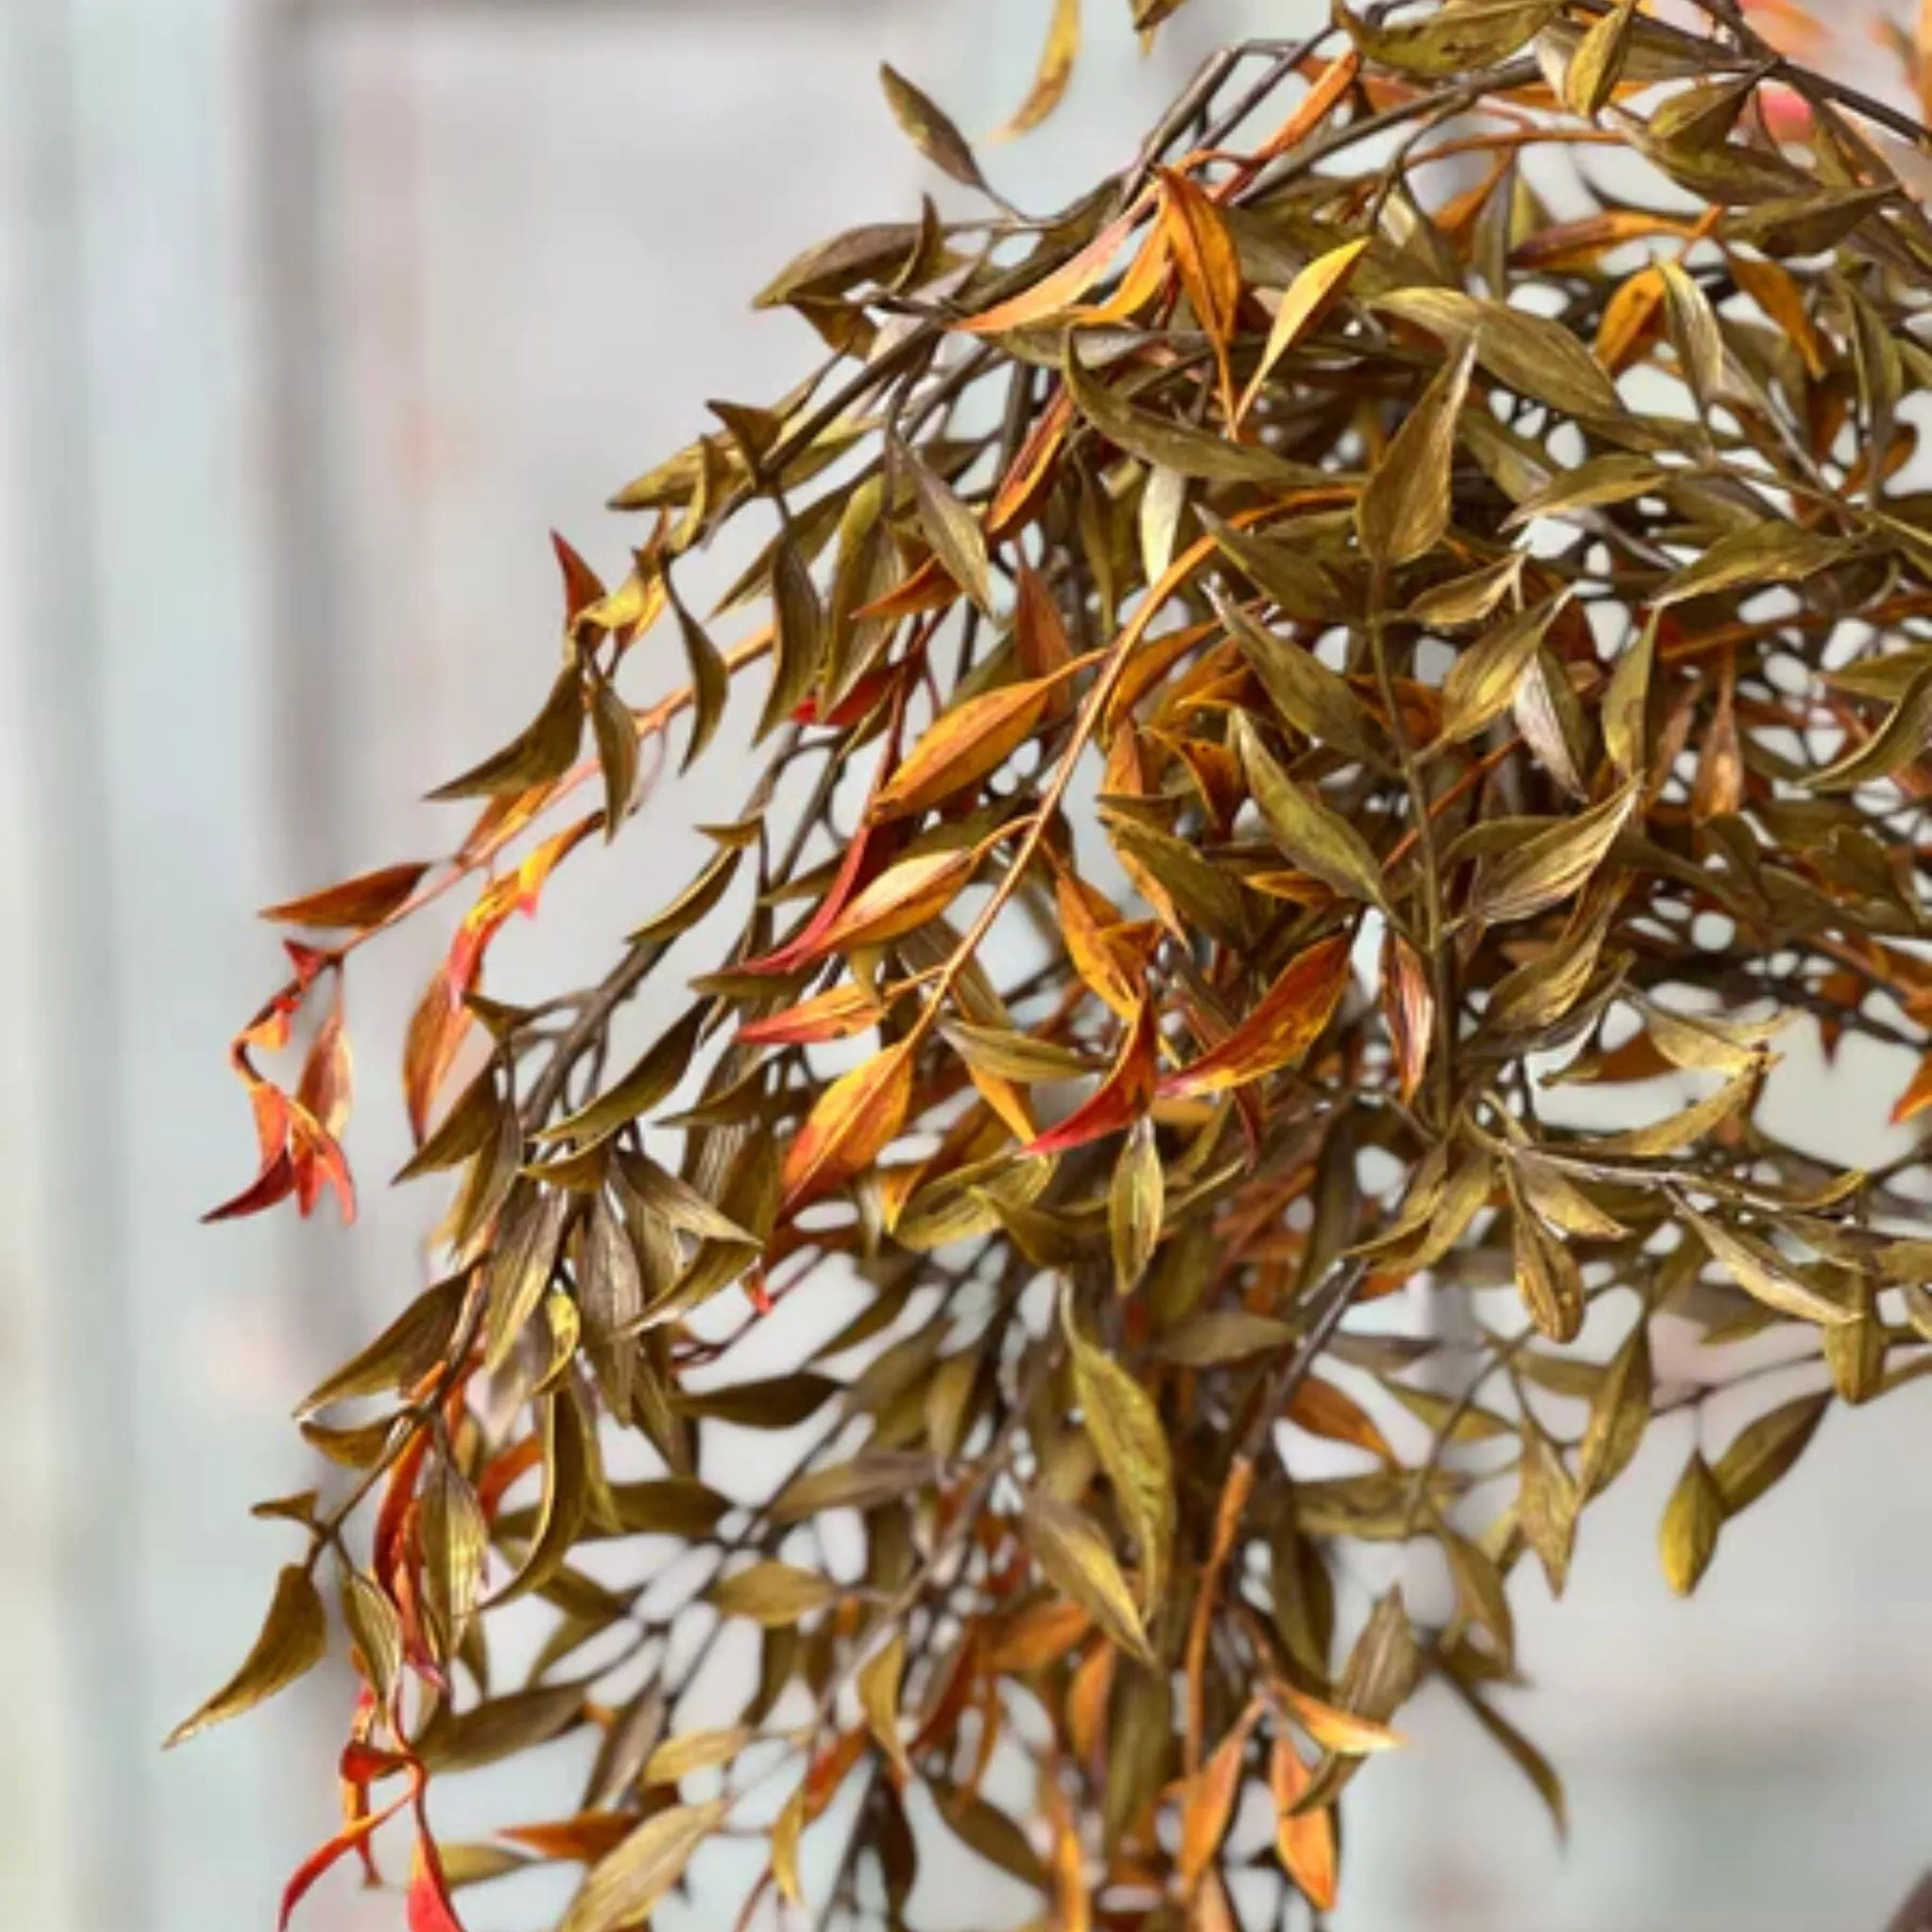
x=1324, y=719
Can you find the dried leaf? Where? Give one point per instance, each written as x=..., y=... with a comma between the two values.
x=1078, y=1562
x=1550, y=863
x=1464, y=38
x=1311, y=696
x=1483, y=679
x=1156, y=439
x=772, y=1593
x=950, y=528
x=962, y=745
x=1693, y=1516
x=1056, y=69
x=1124, y=1425
x=1304, y=1839
x=1135, y=1204
x=1902, y=737
x=1547, y=1502
x=1763, y=1452
x=1408, y=1010
x=627, y=1886
x=292, y=1641
x=539, y=756
x=1205, y=254
x=1402, y=513
x=930, y=130
x=1313, y=293
x=878, y=1698
x=1597, y=64
x=371, y=899
x=1764, y=552
x=1757, y=1269
x=1116, y=1102
x=1619, y=1414
x=1209, y=1800
x=1531, y=354
x=902, y=898
x=1318, y=841
x=677, y=1757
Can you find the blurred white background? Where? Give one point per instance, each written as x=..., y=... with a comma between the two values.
x=314, y=316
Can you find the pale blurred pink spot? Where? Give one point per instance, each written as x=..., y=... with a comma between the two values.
x=1786, y=115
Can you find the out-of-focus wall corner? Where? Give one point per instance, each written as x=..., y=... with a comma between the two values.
x=135, y=816
x=44, y=592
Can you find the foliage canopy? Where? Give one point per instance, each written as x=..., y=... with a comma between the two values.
x=1324, y=717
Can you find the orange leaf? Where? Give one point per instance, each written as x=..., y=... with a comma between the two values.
x=1774, y=291
x=1024, y=485
x=436, y=1032
x=1204, y=251
x=1209, y=1803
x=318, y=1860
x=910, y=894
x=1142, y=281
x=1313, y=108
x=1916, y=1096
x=929, y=588
x=276, y=1182
x=1322, y=1409
x=1039, y=633
x=430, y=1907
x=830, y=1769
x=328, y=1076
x=364, y=901
x=963, y=746
x=1062, y=287
x=272, y=1109
x=854, y=1120
x=584, y=1837
x=1037, y=1636
x=1338, y=1730
x=1309, y=297
x=1075, y=1908
x=1631, y=317
x=1007, y=1100
x=1279, y=1031
x=318, y=1161
x=834, y=1015
x=1304, y=1841
x=870, y=849
x=1087, y=1701
x=1091, y=928
x=1119, y=1101
x=856, y=705
x=1788, y=113
x=1570, y=245
x=511, y=892
x=1212, y=1909
x=582, y=585
x=1056, y=69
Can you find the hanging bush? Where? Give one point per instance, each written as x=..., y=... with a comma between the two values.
x=1323, y=720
